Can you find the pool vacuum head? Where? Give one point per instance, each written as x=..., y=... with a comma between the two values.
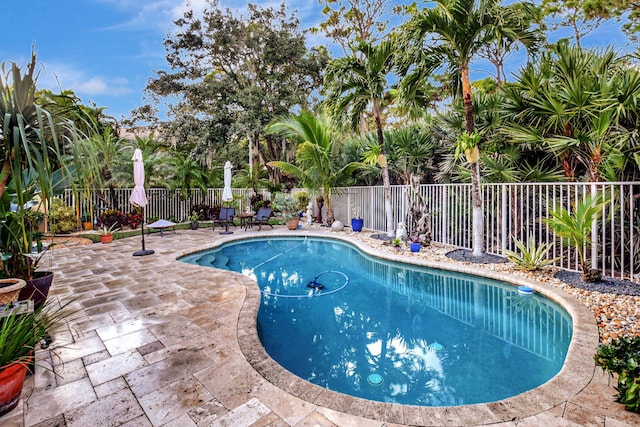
x=315, y=285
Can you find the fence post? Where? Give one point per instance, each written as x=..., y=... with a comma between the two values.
x=594, y=234
x=444, y=218
x=504, y=217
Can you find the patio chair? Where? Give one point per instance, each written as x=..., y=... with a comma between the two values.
x=262, y=217
x=225, y=218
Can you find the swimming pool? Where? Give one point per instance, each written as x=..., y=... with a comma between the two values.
x=392, y=332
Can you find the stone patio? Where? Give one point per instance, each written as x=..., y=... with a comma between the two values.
x=156, y=342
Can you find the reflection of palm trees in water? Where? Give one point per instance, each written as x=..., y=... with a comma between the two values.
x=405, y=361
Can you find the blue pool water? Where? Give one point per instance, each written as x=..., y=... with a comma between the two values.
x=394, y=332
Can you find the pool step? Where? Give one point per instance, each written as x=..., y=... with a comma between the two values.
x=221, y=261
x=206, y=260
x=212, y=260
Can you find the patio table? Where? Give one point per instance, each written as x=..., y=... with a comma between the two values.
x=162, y=224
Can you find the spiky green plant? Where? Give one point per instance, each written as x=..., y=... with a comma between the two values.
x=21, y=332
x=531, y=257
x=575, y=227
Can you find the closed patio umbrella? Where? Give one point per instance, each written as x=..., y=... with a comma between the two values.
x=227, y=196
x=138, y=196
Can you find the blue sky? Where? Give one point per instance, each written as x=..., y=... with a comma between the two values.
x=106, y=50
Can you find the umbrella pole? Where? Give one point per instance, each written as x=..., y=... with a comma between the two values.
x=143, y=252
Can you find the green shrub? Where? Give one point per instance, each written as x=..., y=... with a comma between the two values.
x=531, y=257
x=622, y=357
x=62, y=218
x=283, y=202
x=302, y=200
x=112, y=216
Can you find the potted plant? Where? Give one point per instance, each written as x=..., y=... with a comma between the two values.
x=193, y=220
x=33, y=166
x=356, y=221
x=415, y=244
x=21, y=330
x=87, y=224
x=106, y=233
x=10, y=289
x=292, y=221
x=284, y=203
x=396, y=242
x=21, y=249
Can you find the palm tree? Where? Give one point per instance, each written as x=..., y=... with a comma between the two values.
x=317, y=157
x=186, y=174
x=36, y=145
x=453, y=32
x=580, y=105
x=358, y=84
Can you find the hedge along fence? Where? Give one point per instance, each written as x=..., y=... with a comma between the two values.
x=512, y=211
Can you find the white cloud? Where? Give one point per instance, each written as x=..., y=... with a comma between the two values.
x=57, y=77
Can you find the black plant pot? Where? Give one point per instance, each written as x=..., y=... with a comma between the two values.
x=37, y=288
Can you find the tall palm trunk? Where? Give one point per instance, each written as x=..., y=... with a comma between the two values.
x=386, y=182
x=477, y=227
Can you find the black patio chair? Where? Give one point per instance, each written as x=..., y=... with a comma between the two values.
x=262, y=217
x=225, y=218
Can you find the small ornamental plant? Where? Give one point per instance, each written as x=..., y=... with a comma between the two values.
x=112, y=216
x=104, y=230
x=133, y=220
x=355, y=212
x=194, y=217
x=621, y=357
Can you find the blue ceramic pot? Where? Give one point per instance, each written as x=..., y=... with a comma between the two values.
x=415, y=247
x=357, y=224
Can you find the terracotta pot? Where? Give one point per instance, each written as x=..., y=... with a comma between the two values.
x=37, y=288
x=10, y=289
x=106, y=238
x=292, y=224
x=87, y=225
x=11, y=382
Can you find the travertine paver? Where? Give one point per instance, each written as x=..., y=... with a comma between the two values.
x=157, y=342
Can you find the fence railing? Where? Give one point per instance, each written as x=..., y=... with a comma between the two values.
x=512, y=211
x=517, y=211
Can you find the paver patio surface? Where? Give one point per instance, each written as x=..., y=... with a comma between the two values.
x=156, y=342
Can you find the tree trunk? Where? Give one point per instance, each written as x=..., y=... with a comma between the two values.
x=477, y=227
x=386, y=182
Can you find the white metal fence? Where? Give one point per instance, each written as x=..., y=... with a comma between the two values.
x=512, y=211
x=516, y=211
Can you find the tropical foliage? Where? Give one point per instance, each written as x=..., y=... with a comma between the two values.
x=575, y=226
x=316, y=167
x=620, y=357
x=456, y=31
x=35, y=162
x=532, y=256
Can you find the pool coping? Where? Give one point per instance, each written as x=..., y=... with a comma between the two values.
x=576, y=373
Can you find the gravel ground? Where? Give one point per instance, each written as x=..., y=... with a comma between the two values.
x=464, y=255
x=614, y=303
x=606, y=286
